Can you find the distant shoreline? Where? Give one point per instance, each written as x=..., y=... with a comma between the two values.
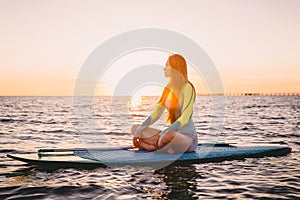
x=219, y=94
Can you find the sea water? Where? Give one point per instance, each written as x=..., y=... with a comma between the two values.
x=30, y=123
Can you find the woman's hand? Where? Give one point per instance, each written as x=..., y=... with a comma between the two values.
x=136, y=138
x=155, y=140
x=162, y=142
x=136, y=142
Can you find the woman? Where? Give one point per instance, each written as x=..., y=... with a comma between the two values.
x=178, y=98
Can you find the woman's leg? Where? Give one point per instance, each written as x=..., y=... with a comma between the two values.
x=174, y=142
x=149, y=138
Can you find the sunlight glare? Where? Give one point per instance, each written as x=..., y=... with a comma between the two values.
x=136, y=99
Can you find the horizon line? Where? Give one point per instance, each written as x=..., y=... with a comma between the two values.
x=198, y=94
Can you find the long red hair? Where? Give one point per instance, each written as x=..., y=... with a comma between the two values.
x=177, y=63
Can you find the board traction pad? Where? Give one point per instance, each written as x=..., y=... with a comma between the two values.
x=202, y=152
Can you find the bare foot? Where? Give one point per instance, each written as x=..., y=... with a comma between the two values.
x=171, y=151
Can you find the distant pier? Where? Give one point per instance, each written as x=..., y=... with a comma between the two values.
x=252, y=94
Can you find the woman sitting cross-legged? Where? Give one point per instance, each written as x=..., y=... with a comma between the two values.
x=178, y=98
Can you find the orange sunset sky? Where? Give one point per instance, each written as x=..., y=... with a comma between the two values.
x=254, y=44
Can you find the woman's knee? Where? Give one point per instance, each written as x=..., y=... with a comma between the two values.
x=134, y=127
x=167, y=137
x=170, y=135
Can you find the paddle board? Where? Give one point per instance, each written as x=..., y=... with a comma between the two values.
x=85, y=158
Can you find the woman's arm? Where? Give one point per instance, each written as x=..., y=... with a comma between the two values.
x=157, y=112
x=155, y=115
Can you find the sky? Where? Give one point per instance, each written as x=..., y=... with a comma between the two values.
x=254, y=44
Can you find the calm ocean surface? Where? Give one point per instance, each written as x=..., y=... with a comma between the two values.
x=30, y=123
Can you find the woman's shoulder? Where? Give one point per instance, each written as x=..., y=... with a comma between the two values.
x=188, y=86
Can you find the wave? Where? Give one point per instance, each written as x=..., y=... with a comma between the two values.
x=255, y=106
x=274, y=118
x=7, y=150
x=58, y=192
x=53, y=131
x=10, y=120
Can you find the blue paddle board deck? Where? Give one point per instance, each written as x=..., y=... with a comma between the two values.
x=203, y=153
x=121, y=157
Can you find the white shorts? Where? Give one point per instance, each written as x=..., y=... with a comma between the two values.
x=193, y=140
